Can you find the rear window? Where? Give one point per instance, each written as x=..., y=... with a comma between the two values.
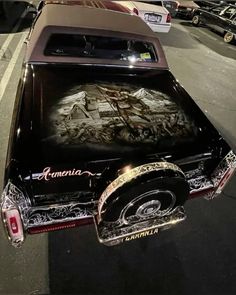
x=75, y=45
x=159, y=3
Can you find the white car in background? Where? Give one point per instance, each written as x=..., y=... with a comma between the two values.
x=157, y=17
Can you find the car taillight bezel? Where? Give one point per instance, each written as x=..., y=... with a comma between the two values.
x=135, y=11
x=12, y=217
x=168, y=18
x=14, y=208
x=215, y=183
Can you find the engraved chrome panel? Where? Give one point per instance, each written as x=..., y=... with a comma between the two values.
x=14, y=200
x=199, y=182
x=228, y=163
x=110, y=235
x=47, y=215
x=12, y=197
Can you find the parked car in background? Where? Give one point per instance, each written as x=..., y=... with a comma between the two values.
x=220, y=18
x=186, y=9
x=103, y=133
x=170, y=5
x=157, y=17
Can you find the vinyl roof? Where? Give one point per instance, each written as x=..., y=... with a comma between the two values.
x=56, y=18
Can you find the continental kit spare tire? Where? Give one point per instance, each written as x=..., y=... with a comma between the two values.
x=144, y=192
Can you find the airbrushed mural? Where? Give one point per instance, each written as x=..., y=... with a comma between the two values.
x=111, y=113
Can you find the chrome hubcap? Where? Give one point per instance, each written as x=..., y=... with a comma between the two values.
x=149, y=208
x=228, y=37
x=195, y=20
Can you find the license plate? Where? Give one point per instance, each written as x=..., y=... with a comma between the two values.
x=152, y=17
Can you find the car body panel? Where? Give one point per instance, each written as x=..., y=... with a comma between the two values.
x=155, y=16
x=171, y=5
x=186, y=9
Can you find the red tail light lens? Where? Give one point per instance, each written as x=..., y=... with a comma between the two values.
x=168, y=19
x=135, y=10
x=14, y=226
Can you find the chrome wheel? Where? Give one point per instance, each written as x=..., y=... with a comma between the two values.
x=196, y=20
x=228, y=37
x=148, y=205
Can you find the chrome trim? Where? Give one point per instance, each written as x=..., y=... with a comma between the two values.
x=229, y=162
x=54, y=214
x=199, y=182
x=110, y=235
x=227, y=165
x=127, y=66
x=13, y=198
x=139, y=214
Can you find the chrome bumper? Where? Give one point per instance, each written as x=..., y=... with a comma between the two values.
x=110, y=235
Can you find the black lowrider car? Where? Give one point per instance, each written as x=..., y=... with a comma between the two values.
x=103, y=133
x=221, y=18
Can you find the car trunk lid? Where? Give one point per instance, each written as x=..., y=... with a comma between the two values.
x=84, y=122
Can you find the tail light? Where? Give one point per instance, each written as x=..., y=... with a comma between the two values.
x=168, y=19
x=13, y=224
x=135, y=11
x=13, y=209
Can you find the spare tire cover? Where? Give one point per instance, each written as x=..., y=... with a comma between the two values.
x=144, y=192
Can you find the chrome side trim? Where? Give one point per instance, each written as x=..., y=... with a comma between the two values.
x=13, y=198
x=48, y=215
x=229, y=162
x=199, y=182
